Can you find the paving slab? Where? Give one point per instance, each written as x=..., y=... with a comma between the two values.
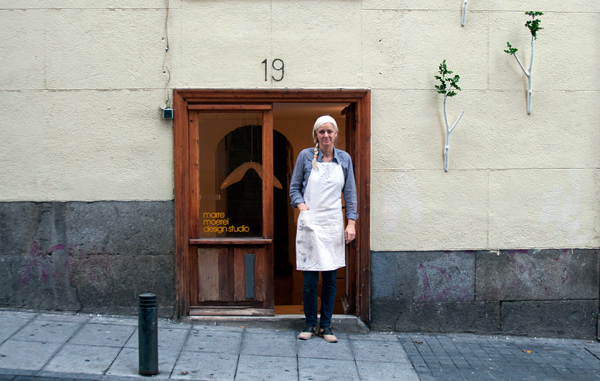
x=214, y=341
x=205, y=366
x=127, y=364
x=316, y=347
x=103, y=335
x=114, y=320
x=375, y=336
x=327, y=369
x=64, y=316
x=174, y=324
x=218, y=328
x=253, y=367
x=377, y=371
x=169, y=339
x=269, y=344
x=45, y=330
x=379, y=351
x=28, y=355
x=14, y=314
x=11, y=325
x=73, y=358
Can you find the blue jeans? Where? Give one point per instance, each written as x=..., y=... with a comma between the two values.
x=309, y=297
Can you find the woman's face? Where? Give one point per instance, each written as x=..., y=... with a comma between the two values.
x=326, y=135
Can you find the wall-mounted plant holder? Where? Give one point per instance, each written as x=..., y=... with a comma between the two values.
x=534, y=26
x=448, y=86
x=463, y=19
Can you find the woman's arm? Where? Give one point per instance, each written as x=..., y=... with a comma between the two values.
x=297, y=182
x=349, y=191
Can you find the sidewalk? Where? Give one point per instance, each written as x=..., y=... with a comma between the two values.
x=48, y=346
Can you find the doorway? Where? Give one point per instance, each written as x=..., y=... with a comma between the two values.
x=235, y=228
x=294, y=121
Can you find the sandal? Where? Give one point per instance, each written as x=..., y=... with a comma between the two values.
x=328, y=335
x=307, y=333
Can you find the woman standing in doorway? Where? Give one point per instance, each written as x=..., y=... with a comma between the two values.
x=320, y=177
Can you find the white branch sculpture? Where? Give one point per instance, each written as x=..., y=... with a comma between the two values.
x=447, y=86
x=534, y=26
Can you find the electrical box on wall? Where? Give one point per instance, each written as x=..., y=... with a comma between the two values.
x=167, y=113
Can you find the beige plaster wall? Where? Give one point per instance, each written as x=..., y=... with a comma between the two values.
x=82, y=86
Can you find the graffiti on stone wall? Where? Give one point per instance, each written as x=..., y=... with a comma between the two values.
x=443, y=282
x=89, y=264
x=535, y=273
x=39, y=263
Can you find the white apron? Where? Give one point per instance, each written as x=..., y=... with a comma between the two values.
x=320, y=232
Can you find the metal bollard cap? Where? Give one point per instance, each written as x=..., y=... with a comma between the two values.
x=148, y=300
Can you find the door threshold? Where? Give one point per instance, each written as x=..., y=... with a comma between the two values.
x=348, y=324
x=230, y=311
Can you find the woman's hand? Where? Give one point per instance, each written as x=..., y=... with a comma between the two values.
x=302, y=207
x=350, y=232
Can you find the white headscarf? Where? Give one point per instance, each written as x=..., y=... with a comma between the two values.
x=321, y=121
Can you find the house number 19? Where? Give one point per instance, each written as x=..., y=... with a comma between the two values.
x=277, y=65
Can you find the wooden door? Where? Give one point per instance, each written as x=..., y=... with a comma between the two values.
x=223, y=262
x=231, y=209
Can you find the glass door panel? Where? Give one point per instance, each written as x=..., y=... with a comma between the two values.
x=230, y=180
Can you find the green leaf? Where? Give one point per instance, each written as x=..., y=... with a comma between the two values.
x=510, y=49
x=534, y=24
x=445, y=82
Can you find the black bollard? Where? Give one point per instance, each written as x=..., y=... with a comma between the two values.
x=148, y=335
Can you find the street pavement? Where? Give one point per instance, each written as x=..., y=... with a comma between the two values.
x=45, y=346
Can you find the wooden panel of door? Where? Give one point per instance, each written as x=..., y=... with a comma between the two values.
x=222, y=276
x=239, y=275
x=208, y=274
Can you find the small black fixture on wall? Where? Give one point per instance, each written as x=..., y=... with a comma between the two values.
x=167, y=113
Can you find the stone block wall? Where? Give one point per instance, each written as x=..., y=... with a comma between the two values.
x=87, y=256
x=528, y=292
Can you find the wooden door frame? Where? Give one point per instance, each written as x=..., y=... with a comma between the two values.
x=184, y=98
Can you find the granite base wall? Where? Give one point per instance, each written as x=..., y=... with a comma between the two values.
x=550, y=293
x=93, y=257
